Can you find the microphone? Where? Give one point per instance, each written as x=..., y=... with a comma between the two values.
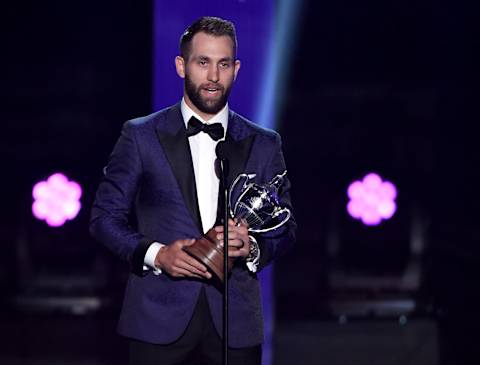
x=223, y=152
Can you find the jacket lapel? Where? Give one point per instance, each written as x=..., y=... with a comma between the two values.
x=173, y=138
x=241, y=143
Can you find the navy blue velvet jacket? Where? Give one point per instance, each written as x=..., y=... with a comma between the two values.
x=150, y=176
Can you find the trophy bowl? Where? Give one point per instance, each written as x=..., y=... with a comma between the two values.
x=259, y=205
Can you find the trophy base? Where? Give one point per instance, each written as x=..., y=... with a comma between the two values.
x=210, y=253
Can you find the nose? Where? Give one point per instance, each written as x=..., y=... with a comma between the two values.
x=213, y=74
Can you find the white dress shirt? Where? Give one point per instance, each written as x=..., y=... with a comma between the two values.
x=202, y=147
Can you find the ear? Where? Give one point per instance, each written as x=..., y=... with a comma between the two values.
x=180, y=66
x=237, y=67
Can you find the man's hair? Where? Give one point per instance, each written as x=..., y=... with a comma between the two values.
x=210, y=25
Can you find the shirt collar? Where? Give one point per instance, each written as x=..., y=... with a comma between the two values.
x=220, y=117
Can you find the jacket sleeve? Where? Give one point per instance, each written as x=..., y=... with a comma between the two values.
x=275, y=243
x=109, y=222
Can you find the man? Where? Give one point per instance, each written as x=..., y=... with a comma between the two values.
x=162, y=170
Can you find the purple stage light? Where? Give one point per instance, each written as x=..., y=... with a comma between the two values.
x=372, y=199
x=56, y=200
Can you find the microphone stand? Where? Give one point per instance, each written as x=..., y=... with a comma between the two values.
x=223, y=163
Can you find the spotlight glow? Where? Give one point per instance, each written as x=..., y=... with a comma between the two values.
x=372, y=200
x=56, y=200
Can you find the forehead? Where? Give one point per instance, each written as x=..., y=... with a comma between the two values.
x=204, y=44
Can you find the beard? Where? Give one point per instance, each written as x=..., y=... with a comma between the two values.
x=205, y=105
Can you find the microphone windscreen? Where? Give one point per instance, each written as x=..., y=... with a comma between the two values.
x=222, y=150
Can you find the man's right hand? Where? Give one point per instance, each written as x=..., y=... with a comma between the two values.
x=176, y=262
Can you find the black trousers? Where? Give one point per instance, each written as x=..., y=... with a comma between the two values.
x=199, y=345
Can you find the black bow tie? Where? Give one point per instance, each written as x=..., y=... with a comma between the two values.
x=215, y=130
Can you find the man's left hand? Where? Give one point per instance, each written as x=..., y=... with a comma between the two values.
x=238, y=240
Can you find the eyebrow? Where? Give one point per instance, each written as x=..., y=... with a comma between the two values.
x=206, y=58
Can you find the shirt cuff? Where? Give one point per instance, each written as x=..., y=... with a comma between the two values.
x=253, y=259
x=149, y=260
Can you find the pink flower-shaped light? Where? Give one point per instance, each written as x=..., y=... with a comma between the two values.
x=371, y=199
x=56, y=200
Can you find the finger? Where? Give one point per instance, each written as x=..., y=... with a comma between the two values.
x=184, y=256
x=235, y=233
x=238, y=243
x=235, y=252
x=232, y=241
x=191, y=268
x=231, y=236
x=181, y=273
x=186, y=271
x=195, y=263
x=238, y=229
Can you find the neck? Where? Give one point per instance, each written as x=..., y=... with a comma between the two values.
x=205, y=116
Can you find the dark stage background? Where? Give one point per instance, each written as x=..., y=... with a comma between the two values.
x=389, y=87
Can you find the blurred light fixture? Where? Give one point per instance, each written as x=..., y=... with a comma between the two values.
x=372, y=199
x=56, y=200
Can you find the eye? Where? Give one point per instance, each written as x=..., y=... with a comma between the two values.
x=224, y=65
x=202, y=63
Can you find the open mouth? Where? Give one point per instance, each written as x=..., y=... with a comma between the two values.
x=212, y=90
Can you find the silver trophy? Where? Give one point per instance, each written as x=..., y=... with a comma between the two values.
x=258, y=204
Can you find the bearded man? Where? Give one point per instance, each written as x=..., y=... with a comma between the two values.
x=162, y=172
